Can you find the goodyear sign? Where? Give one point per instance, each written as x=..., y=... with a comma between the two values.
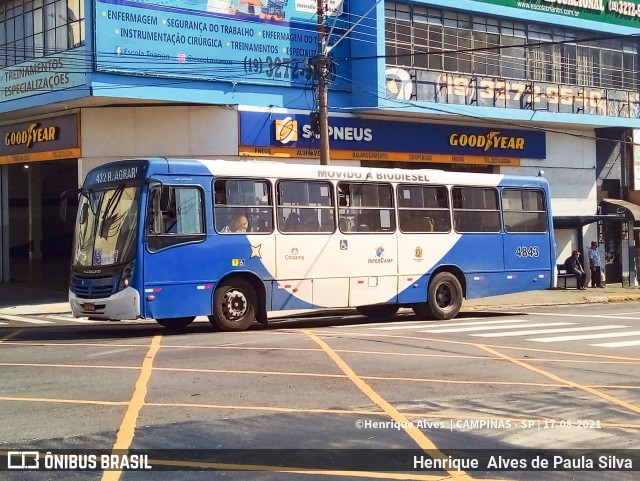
x=282, y=135
x=51, y=138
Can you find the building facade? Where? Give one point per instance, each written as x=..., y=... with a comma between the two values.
x=536, y=85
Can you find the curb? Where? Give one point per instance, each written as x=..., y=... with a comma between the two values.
x=623, y=298
x=616, y=298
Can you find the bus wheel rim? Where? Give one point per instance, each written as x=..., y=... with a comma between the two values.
x=444, y=297
x=234, y=305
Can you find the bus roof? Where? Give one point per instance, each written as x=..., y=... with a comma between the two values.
x=271, y=169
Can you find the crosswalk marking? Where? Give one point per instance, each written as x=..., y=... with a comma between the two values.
x=71, y=319
x=455, y=324
x=586, y=336
x=491, y=328
x=618, y=344
x=617, y=317
x=524, y=327
x=548, y=331
x=29, y=320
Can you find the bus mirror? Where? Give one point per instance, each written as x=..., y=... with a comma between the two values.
x=63, y=208
x=164, y=199
x=84, y=214
x=64, y=201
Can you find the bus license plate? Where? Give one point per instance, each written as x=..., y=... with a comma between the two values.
x=89, y=306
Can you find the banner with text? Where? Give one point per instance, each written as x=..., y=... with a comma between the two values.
x=227, y=40
x=618, y=12
x=279, y=135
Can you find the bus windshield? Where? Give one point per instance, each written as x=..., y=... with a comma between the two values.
x=106, y=226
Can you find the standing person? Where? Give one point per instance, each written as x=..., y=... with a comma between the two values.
x=595, y=264
x=573, y=266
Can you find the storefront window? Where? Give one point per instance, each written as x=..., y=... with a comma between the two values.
x=33, y=29
x=469, y=44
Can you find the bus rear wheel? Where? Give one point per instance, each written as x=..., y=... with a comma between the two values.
x=234, y=305
x=444, y=298
x=176, y=322
x=379, y=311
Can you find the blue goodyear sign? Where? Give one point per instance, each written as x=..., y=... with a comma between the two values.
x=243, y=41
x=279, y=131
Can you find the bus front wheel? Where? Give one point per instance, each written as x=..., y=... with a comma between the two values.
x=175, y=322
x=234, y=305
x=444, y=300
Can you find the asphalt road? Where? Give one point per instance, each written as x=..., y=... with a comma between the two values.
x=329, y=396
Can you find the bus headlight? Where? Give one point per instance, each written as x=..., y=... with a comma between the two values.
x=125, y=278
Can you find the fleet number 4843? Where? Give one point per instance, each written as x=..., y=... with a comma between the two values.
x=527, y=251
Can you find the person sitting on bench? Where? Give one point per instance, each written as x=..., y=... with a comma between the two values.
x=573, y=266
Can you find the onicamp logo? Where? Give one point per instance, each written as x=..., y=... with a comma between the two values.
x=286, y=130
x=294, y=255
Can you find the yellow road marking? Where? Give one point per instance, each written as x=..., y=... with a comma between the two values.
x=567, y=382
x=67, y=366
x=592, y=357
x=73, y=344
x=250, y=372
x=268, y=409
x=463, y=343
x=418, y=436
x=63, y=401
x=431, y=414
x=128, y=425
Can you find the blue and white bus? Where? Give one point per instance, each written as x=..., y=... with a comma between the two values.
x=160, y=239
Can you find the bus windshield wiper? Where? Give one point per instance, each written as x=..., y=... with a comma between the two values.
x=109, y=217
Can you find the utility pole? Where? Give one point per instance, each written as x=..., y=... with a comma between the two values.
x=320, y=68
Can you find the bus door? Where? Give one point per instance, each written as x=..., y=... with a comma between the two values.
x=178, y=262
x=309, y=272
x=527, y=241
x=368, y=243
x=479, y=251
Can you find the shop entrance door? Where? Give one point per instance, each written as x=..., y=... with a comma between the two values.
x=38, y=241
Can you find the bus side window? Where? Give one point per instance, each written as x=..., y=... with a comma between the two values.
x=176, y=216
x=235, y=198
x=305, y=206
x=370, y=204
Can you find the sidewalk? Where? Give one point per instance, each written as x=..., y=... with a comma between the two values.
x=553, y=297
x=23, y=299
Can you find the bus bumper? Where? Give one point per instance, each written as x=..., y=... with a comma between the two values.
x=122, y=305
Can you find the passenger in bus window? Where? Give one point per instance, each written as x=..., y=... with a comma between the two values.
x=239, y=223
